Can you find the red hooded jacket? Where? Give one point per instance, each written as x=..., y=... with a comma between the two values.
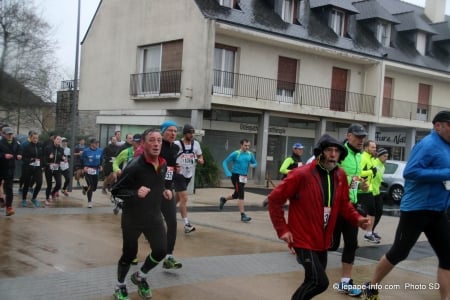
x=303, y=186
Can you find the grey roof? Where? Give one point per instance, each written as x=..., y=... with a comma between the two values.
x=412, y=21
x=343, y=4
x=443, y=30
x=259, y=15
x=371, y=9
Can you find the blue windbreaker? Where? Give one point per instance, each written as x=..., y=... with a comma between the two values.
x=427, y=169
x=241, y=161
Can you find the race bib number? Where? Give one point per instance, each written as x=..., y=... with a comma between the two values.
x=54, y=167
x=169, y=173
x=187, y=159
x=91, y=171
x=64, y=165
x=326, y=215
x=447, y=185
x=242, y=179
x=354, y=183
x=36, y=163
x=299, y=164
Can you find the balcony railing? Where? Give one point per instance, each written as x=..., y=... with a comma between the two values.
x=240, y=85
x=155, y=83
x=68, y=85
x=393, y=108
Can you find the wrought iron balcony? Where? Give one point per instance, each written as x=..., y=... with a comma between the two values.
x=155, y=83
x=259, y=88
x=401, y=109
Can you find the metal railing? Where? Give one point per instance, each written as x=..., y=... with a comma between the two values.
x=393, y=108
x=259, y=88
x=155, y=83
x=68, y=85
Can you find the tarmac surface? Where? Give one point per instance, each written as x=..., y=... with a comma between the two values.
x=69, y=251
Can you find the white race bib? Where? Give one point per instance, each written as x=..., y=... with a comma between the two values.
x=242, y=179
x=354, y=183
x=447, y=185
x=36, y=163
x=64, y=165
x=91, y=171
x=169, y=173
x=326, y=215
x=54, y=167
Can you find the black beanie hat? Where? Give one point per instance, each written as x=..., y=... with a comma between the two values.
x=188, y=128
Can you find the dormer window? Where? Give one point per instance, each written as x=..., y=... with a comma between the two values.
x=338, y=21
x=421, y=42
x=384, y=33
x=228, y=3
x=288, y=11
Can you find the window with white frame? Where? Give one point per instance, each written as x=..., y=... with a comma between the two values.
x=421, y=42
x=151, y=69
x=288, y=11
x=159, y=69
x=384, y=33
x=224, y=58
x=337, y=21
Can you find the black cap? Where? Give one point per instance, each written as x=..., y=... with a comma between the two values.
x=326, y=141
x=188, y=128
x=442, y=116
x=137, y=137
x=357, y=129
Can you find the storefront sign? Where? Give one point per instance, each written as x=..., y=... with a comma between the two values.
x=254, y=128
x=390, y=138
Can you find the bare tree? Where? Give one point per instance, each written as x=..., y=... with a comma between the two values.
x=26, y=54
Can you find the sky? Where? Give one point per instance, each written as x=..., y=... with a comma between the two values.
x=62, y=17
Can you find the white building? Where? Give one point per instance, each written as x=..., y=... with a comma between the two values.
x=272, y=71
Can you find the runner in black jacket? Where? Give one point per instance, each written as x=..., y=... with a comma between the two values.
x=141, y=186
x=169, y=152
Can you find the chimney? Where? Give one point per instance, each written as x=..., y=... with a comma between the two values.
x=435, y=10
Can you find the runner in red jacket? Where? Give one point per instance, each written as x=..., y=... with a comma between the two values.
x=318, y=192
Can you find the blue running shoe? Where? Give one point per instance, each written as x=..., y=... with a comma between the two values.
x=24, y=203
x=349, y=289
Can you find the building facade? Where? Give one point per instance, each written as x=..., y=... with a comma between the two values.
x=272, y=71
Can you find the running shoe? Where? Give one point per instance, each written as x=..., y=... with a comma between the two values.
x=135, y=261
x=222, y=202
x=89, y=204
x=371, y=239
x=245, y=218
x=188, y=228
x=370, y=293
x=171, y=263
x=121, y=292
x=48, y=202
x=9, y=211
x=24, y=203
x=144, y=289
x=377, y=236
x=349, y=289
x=35, y=203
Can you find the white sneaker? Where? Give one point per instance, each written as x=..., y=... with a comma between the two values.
x=89, y=204
x=188, y=228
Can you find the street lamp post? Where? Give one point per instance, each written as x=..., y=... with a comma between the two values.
x=74, y=103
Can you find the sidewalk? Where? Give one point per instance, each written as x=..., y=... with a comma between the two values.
x=70, y=252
